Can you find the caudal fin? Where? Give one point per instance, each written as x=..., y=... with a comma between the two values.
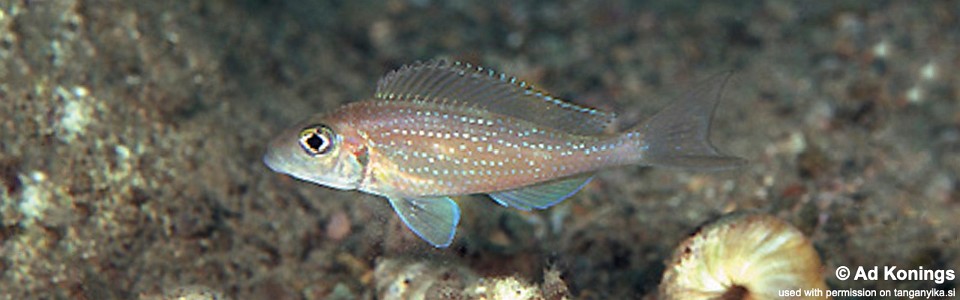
x=679, y=136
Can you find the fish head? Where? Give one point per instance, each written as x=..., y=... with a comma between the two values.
x=319, y=152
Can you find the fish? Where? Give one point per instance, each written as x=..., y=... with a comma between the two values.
x=436, y=130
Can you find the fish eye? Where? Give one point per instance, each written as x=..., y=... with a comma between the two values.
x=316, y=139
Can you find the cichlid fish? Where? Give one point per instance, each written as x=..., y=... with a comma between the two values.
x=438, y=129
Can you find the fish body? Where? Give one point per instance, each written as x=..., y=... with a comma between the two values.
x=435, y=130
x=424, y=148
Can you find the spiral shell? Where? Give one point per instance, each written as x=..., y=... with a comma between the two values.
x=743, y=256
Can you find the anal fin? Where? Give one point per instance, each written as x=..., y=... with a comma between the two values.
x=541, y=196
x=433, y=219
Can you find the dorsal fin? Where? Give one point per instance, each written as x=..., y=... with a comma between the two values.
x=438, y=80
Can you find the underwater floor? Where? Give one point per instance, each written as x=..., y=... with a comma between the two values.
x=132, y=135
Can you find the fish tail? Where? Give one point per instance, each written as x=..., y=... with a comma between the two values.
x=678, y=136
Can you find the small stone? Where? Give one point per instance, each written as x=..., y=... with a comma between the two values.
x=338, y=227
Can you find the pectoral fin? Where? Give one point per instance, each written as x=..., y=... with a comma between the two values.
x=433, y=219
x=541, y=196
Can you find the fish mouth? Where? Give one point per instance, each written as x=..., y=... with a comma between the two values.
x=279, y=158
x=273, y=160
